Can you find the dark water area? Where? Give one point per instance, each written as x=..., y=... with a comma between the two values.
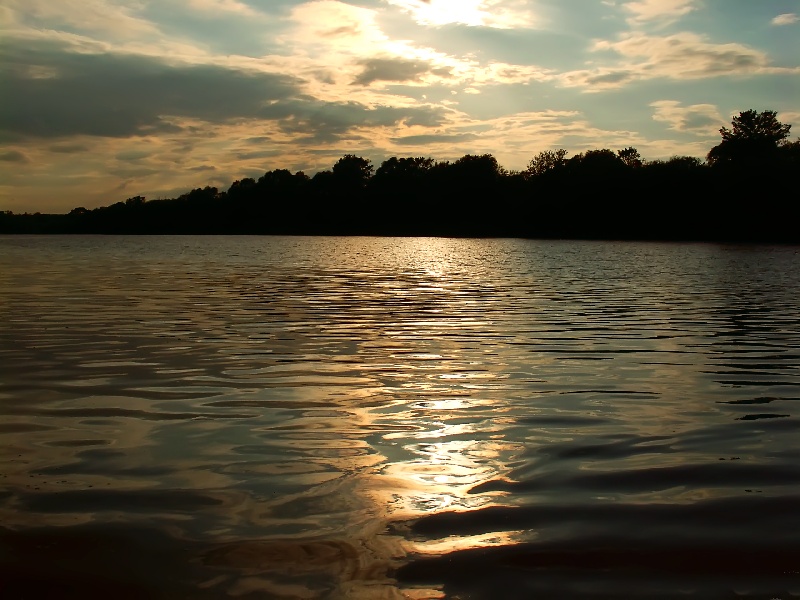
x=289, y=417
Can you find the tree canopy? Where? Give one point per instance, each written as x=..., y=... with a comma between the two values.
x=601, y=193
x=753, y=137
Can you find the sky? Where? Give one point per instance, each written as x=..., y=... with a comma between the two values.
x=102, y=100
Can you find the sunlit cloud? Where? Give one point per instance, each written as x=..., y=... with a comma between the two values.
x=224, y=6
x=785, y=19
x=500, y=14
x=325, y=25
x=680, y=56
x=791, y=118
x=699, y=119
x=348, y=47
x=117, y=18
x=513, y=139
x=661, y=11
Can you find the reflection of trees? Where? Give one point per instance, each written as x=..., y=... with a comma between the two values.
x=755, y=347
x=595, y=194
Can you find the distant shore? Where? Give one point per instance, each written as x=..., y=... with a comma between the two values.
x=599, y=194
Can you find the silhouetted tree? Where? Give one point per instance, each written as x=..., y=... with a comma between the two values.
x=630, y=156
x=401, y=170
x=596, y=194
x=352, y=172
x=790, y=153
x=546, y=162
x=241, y=189
x=135, y=201
x=596, y=163
x=281, y=181
x=478, y=169
x=322, y=182
x=206, y=194
x=685, y=162
x=403, y=179
x=754, y=136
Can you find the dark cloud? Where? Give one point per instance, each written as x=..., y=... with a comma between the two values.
x=425, y=118
x=200, y=168
x=343, y=31
x=260, y=154
x=442, y=71
x=13, y=156
x=134, y=172
x=133, y=155
x=62, y=94
x=414, y=140
x=68, y=148
x=725, y=61
x=614, y=77
x=389, y=69
x=699, y=121
x=319, y=122
x=324, y=76
x=259, y=139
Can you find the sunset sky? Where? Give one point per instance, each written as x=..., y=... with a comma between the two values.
x=101, y=100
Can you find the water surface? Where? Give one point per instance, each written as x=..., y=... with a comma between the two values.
x=290, y=417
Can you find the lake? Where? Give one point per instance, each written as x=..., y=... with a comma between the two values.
x=348, y=417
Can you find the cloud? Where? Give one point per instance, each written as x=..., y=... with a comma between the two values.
x=332, y=25
x=790, y=118
x=663, y=11
x=499, y=14
x=133, y=155
x=679, y=56
x=323, y=122
x=332, y=45
x=124, y=95
x=110, y=95
x=224, y=6
x=389, y=69
x=13, y=156
x=512, y=139
x=698, y=119
x=785, y=19
x=427, y=140
x=116, y=18
x=68, y=148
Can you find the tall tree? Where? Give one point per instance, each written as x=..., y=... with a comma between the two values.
x=753, y=137
x=352, y=172
x=630, y=156
x=545, y=162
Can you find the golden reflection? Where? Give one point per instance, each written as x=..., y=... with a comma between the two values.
x=439, y=475
x=433, y=466
x=467, y=542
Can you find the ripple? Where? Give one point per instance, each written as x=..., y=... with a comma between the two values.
x=756, y=417
x=309, y=417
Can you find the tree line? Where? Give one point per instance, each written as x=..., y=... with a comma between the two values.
x=745, y=190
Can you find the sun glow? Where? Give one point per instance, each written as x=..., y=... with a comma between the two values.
x=474, y=13
x=443, y=12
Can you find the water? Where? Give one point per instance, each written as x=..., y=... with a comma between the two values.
x=280, y=417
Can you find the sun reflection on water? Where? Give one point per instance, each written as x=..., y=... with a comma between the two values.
x=325, y=411
x=447, y=448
